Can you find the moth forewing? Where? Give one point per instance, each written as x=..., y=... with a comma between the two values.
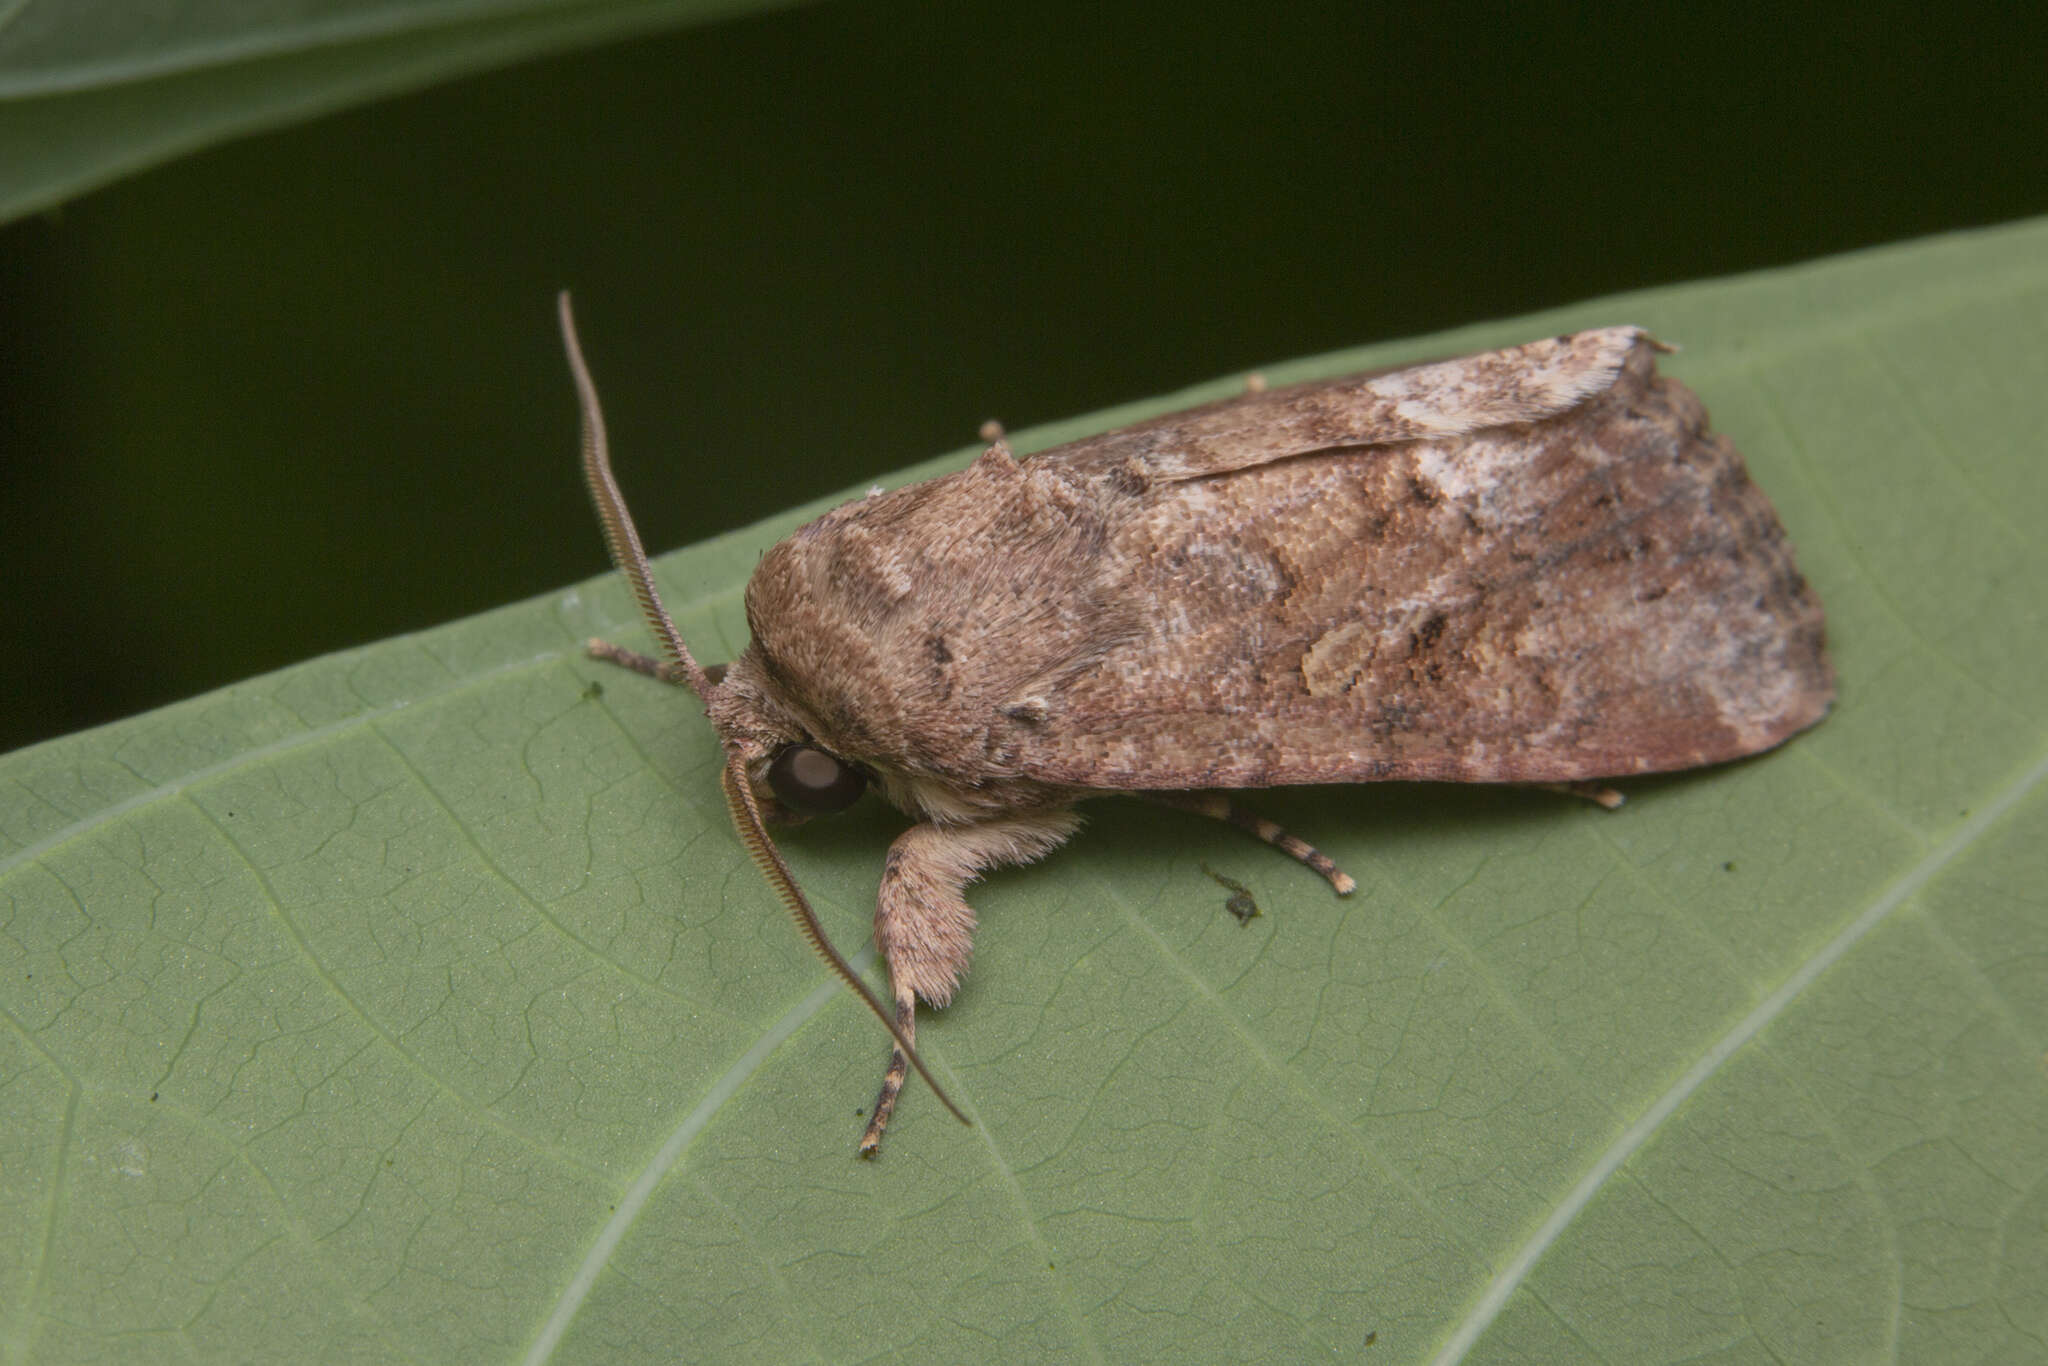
x=1596, y=592
x=1534, y=565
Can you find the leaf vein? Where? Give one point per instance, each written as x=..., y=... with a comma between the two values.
x=1516, y=1272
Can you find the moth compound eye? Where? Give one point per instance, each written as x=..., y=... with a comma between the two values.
x=813, y=782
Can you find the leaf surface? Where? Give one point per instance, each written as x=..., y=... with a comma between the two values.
x=418, y=1004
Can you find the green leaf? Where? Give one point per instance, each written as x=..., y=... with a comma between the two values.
x=417, y=1003
x=92, y=92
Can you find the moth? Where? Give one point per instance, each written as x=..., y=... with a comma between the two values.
x=1534, y=565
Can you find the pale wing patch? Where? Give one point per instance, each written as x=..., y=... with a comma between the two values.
x=1346, y=654
x=1748, y=697
x=1336, y=661
x=1520, y=384
x=1467, y=471
x=1454, y=398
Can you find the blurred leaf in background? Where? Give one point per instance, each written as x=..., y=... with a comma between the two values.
x=91, y=92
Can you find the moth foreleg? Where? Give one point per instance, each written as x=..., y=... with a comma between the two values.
x=634, y=660
x=1218, y=807
x=664, y=670
x=924, y=926
x=892, y=1078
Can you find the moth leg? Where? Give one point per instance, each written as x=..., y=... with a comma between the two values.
x=924, y=926
x=632, y=659
x=1218, y=807
x=892, y=1079
x=662, y=670
x=1594, y=791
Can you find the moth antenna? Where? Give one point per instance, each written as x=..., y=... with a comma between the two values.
x=620, y=536
x=623, y=540
x=746, y=818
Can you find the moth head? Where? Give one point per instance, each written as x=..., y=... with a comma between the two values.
x=773, y=770
x=794, y=774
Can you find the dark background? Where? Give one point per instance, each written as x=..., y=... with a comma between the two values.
x=303, y=391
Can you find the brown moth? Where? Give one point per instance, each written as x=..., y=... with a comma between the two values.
x=1533, y=565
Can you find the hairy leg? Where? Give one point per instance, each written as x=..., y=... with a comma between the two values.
x=924, y=926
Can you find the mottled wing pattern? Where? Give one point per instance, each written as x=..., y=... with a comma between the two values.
x=1528, y=565
x=1595, y=592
